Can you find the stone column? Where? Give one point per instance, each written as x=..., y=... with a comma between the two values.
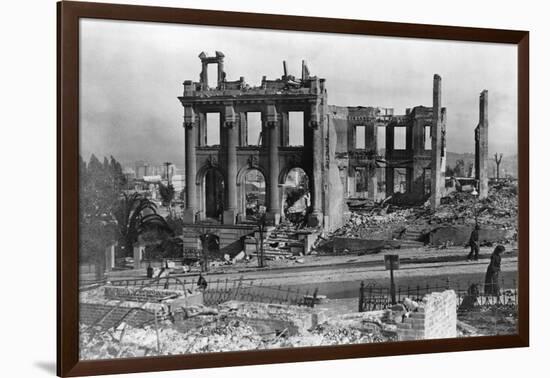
x=272, y=123
x=231, y=132
x=190, y=166
x=316, y=217
x=482, y=145
x=435, y=197
x=204, y=74
x=419, y=162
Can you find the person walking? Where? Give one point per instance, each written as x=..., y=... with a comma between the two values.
x=201, y=283
x=474, y=243
x=493, y=272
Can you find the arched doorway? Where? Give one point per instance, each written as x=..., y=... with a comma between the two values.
x=296, y=196
x=213, y=194
x=254, y=194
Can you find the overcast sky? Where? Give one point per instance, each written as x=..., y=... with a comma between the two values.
x=132, y=73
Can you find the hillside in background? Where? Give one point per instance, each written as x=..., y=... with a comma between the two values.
x=508, y=166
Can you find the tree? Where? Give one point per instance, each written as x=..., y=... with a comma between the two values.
x=498, y=159
x=449, y=171
x=459, y=170
x=167, y=194
x=471, y=169
x=135, y=215
x=98, y=194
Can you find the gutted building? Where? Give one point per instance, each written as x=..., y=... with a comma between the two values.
x=216, y=172
x=381, y=154
x=343, y=152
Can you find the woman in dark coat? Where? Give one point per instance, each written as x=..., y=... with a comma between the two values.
x=493, y=272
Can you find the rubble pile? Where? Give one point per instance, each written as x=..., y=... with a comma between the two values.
x=334, y=335
x=498, y=210
x=363, y=224
x=222, y=335
x=234, y=327
x=218, y=336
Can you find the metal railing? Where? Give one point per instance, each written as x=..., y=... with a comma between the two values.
x=469, y=295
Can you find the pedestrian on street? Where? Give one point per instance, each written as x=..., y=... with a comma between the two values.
x=493, y=272
x=201, y=282
x=474, y=243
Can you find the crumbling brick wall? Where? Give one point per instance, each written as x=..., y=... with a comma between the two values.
x=434, y=319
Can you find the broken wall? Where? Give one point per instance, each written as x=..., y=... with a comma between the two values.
x=434, y=319
x=460, y=235
x=335, y=205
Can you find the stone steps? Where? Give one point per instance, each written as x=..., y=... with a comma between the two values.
x=285, y=242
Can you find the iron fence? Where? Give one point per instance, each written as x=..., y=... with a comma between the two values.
x=469, y=295
x=222, y=290
x=167, y=283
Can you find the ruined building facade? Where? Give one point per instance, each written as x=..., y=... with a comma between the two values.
x=347, y=151
x=397, y=153
x=226, y=164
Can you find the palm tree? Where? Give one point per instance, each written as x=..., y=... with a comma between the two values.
x=134, y=215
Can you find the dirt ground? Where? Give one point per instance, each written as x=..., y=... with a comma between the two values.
x=492, y=321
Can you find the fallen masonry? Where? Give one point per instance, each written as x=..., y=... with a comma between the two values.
x=373, y=227
x=177, y=326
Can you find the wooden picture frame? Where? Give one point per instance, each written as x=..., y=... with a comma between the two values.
x=69, y=15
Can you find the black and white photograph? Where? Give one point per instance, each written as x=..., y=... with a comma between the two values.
x=249, y=189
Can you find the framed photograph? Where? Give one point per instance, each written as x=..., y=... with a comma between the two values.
x=238, y=188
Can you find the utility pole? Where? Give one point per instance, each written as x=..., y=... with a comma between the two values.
x=167, y=165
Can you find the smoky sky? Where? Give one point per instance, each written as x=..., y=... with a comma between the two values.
x=132, y=73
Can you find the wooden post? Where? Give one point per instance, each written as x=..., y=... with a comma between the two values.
x=361, y=296
x=392, y=284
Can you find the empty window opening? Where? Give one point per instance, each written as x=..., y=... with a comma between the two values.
x=212, y=129
x=295, y=128
x=427, y=137
x=212, y=70
x=255, y=194
x=400, y=180
x=253, y=128
x=360, y=137
x=296, y=197
x=381, y=182
x=400, y=138
x=213, y=194
x=361, y=182
x=381, y=140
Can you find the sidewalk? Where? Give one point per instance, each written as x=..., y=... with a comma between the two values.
x=409, y=258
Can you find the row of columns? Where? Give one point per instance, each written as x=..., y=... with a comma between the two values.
x=272, y=122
